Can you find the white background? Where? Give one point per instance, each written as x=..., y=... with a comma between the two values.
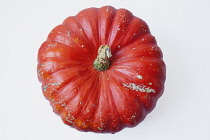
x=181, y=28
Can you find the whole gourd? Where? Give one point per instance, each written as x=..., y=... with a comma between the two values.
x=101, y=70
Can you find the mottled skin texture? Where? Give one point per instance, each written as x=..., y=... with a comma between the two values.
x=101, y=101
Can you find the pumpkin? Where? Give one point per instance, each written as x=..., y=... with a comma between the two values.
x=101, y=70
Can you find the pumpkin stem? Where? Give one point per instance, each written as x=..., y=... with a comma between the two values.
x=102, y=62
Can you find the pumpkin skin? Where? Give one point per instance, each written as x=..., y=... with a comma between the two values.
x=101, y=101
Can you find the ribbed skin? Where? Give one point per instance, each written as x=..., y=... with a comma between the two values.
x=101, y=101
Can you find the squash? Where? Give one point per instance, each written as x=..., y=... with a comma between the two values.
x=101, y=70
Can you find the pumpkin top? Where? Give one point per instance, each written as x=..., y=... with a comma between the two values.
x=101, y=70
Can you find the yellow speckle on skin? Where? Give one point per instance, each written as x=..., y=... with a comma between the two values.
x=81, y=124
x=139, y=76
x=141, y=88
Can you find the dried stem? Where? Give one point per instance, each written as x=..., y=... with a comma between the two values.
x=102, y=62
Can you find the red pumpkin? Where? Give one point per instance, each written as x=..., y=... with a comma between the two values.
x=101, y=70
